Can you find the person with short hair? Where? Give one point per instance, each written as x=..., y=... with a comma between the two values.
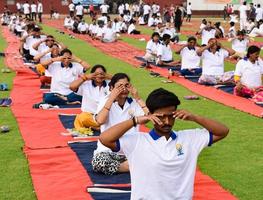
x=79, y=10
x=152, y=48
x=83, y=27
x=190, y=61
x=207, y=32
x=243, y=15
x=63, y=72
x=232, y=30
x=71, y=7
x=213, y=56
x=164, y=53
x=132, y=28
x=257, y=31
x=113, y=109
x=259, y=13
x=189, y=12
x=104, y=8
x=249, y=75
x=240, y=44
x=92, y=87
x=109, y=34
x=162, y=158
x=26, y=8
x=39, y=10
x=33, y=11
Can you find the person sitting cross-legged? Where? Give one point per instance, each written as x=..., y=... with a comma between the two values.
x=152, y=48
x=63, y=72
x=213, y=56
x=165, y=54
x=190, y=60
x=93, y=87
x=162, y=158
x=249, y=75
x=113, y=109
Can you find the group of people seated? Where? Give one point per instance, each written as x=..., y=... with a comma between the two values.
x=207, y=61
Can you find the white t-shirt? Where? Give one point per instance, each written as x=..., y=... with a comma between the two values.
x=213, y=64
x=100, y=31
x=189, y=10
x=146, y=9
x=240, y=46
x=30, y=41
x=164, y=168
x=104, y=9
x=91, y=95
x=79, y=10
x=131, y=28
x=71, y=7
x=152, y=47
x=141, y=21
x=117, y=115
x=207, y=35
x=243, y=12
x=82, y=27
x=121, y=9
x=109, y=33
x=165, y=52
x=151, y=22
x=33, y=8
x=232, y=32
x=251, y=74
x=190, y=59
x=154, y=9
x=62, y=77
x=259, y=14
x=93, y=28
x=40, y=8
x=18, y=6
x=26, y=8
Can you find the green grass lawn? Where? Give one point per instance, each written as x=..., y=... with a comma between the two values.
x=236, y=162
x=15, y=179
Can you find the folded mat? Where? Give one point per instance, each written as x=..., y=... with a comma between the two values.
x=84, y=152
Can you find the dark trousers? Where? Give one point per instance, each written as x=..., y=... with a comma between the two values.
x=55, y=99
x=34, y=16
x=193, y=72
x=40, y=17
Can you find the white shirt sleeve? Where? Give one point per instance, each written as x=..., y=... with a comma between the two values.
x=127, y=143
x=225, y=53
x=238, y=70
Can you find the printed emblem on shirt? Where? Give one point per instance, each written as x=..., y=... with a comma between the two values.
x=179, y=149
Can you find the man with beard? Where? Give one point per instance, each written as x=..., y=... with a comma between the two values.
x=163, y=161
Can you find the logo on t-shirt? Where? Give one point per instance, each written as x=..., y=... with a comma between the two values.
x=179, y=149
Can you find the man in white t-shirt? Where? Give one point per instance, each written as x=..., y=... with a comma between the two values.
x=189, y=12
x=190, y=62
x=83, y=27
x=162, y=158
x=243, y=9
x=26, y=8
x=207, y=32
x=18, y=7
x=239, y=45
x=104, y=9
x=39, y=10
x=79, y=11
x=213, y=56
x=109, y=34
x=249, y=74
x=33, y=11
x=146, y=12
x=259, y=13
x=71, y=7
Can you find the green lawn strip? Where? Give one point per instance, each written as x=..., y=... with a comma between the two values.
x=233, y=162
x=15, y=178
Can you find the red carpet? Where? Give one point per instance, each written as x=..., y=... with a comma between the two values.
x=56, y=172
x=126, y=52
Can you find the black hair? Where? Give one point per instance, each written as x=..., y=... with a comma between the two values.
x=117, y=77
x=65, y=51
x=241, y=32
x=50, y=36
x=244, y=3
x=55, y=45
x=252, y=49
x=36, y=29
x=155, y=34
x=95, y=67
x=191, y=38
x=161, y=98
x=232, y=23
x=166, y=37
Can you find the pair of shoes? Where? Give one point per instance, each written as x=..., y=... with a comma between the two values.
x=5, y=70
x=4, y=129
x=191, y=97
x=3, y=87
x=154, y=74
x=5, y=102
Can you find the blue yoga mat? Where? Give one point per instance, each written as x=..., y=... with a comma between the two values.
x=84, y=152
